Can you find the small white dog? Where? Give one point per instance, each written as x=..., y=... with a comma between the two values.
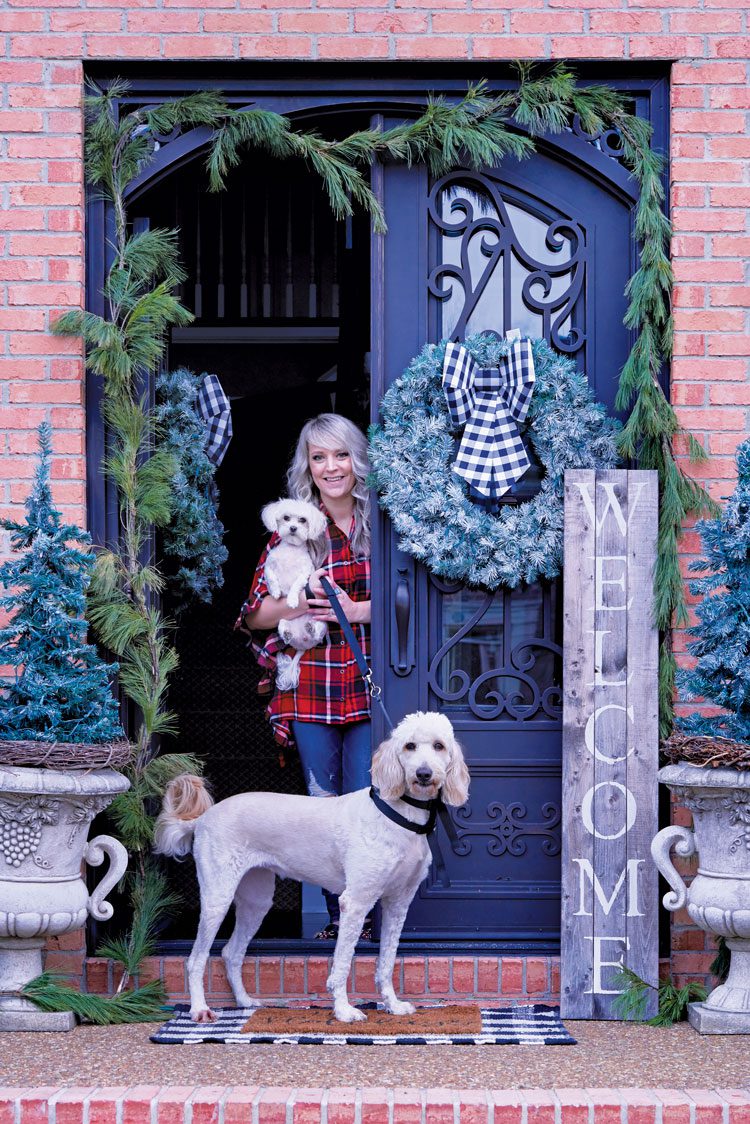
x=288, y=567
x=344, y=843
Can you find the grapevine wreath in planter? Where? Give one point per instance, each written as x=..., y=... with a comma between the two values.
x=439, y=520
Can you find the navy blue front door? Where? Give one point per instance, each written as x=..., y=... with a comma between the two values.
x=544, y=245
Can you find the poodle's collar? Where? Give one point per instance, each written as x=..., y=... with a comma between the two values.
x=391, y=813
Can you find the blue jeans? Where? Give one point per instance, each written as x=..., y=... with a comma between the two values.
x=335, y=760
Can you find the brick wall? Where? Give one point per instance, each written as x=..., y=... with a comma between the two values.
x=41, y=181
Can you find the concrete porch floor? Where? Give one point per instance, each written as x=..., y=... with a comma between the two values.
x=608, y=1055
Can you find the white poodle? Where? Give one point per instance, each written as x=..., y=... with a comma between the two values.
x=345, y=843
x=288, y=566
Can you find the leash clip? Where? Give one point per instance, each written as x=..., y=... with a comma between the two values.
x=373, y=688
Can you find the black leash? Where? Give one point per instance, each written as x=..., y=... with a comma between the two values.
x=435, y=807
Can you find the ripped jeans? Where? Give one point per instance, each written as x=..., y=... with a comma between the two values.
x=335, y=760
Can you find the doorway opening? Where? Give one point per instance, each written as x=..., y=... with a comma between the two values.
x=280, y=291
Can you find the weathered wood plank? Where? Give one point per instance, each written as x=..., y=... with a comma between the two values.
x=610, y=735
x=576, y=999
x=642, y=918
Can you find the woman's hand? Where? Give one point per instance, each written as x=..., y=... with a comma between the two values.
x=356, y=612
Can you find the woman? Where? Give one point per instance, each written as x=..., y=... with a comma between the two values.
x=328, y=713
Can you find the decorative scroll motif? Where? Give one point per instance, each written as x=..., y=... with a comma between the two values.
x=695, y=804
x=607, y=141
x=83, y=813
x=738, y=803
x=21, y=827
x=518, y=694
x=493, y=258
x=505, y=828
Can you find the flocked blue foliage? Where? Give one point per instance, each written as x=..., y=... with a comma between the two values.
x=61, y=689
x=194, y=535
x=412, y=451
x=722, y=632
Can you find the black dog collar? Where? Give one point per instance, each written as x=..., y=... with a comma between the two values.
x=392, y=814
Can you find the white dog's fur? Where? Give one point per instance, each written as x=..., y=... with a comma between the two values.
x=288, y=566
x=343, y=843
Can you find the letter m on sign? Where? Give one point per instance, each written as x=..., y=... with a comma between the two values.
x=610, y=740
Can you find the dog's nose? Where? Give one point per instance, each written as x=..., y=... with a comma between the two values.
x=293, y=528
x=424, y=775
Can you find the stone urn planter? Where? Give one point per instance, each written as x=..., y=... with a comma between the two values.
x=44, y=821
x=718, y=898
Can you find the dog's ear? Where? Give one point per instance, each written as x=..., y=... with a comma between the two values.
x=270, y=515
x=387, y=773
x=456, y=783
x=317, y=522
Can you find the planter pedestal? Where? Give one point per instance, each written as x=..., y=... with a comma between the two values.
x=718, y=898
x=44, y=820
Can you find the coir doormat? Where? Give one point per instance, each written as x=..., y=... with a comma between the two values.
x=315, y=1026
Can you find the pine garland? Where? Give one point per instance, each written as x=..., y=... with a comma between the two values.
x=630, y=1004
x=412, y=454
x=144, y=1004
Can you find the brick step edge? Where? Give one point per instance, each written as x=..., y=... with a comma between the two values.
x=496, y=978
x=213, y=1104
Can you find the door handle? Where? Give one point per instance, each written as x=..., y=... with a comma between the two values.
x=403, y=613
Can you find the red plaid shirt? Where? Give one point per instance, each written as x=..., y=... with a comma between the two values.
x=331, y=688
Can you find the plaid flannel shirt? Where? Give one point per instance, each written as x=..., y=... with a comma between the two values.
x=331, y=688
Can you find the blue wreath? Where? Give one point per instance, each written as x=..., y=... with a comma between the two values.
x=412, y=451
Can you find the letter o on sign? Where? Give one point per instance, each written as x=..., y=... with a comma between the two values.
x=631, y=810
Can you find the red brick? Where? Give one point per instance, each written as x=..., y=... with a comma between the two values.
x=473, y=1107
x=103, y=1104
x=390, y=23
x=69, y=1104
x=317, y=974
x=731, y=48
x=709, y=121
x=294, y=975
x=734, y=296
x=537, y=982
x=308, y=1106
x=353, y=46
x=33, y=1104
x=709, y=1107
x=434, y=47
x=238, y=1104
x=198, y=46
x=269, y=975
x=540, y=1106
x=276, y=47
x=125, y=46
x=342, y=1105
x=136, y=1105
x=85, y=20
x=664, y=46
x=438, y=975
x=466, y=23
x=463, y=975
x=488, y=975
x=607, y=1106
x=206, y=1103
x=574, y=1106
x=171, y=1103
x=511, y=976
x=629, y=22
x=733, y=147
x=272, y=1105
x=739, y=1105
x=414, y=976
x=46, y=46
x=705, y=23
x=708, y=73
x=589, y=47
x=161, y=22
x=506, y=1106
x=539, y=23
x=522, y=47
x=364, y=975
x=439, y=1106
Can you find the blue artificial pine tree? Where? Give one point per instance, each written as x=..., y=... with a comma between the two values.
x=61, y=688
x=722, y=644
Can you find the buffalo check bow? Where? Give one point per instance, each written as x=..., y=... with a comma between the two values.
x=214, y=408
x=489, y=402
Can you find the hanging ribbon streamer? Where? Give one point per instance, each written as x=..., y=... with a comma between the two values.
x=214, y=408
x=490, y=402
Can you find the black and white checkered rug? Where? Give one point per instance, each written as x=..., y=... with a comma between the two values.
x=501, y=1026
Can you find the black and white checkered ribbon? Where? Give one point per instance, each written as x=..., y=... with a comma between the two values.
x=214, y=408
x=489, y=402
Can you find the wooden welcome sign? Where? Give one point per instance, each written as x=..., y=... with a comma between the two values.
x=610, y=739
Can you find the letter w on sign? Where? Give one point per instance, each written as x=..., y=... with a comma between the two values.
x=610, y=739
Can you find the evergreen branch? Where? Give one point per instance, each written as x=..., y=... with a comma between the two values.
x=152, y=900
x=630, y=1004
x=145, y=1004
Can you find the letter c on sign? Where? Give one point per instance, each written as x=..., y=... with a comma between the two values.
x=631, y=810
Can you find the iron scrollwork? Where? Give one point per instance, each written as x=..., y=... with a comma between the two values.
x=505, y=828
x=478, y=211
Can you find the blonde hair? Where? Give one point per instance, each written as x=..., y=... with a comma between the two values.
x=332, y=431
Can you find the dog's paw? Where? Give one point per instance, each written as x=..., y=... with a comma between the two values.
x=202, y=1015
x=292, y=598
x=398, y=1007
x=348, y=1014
